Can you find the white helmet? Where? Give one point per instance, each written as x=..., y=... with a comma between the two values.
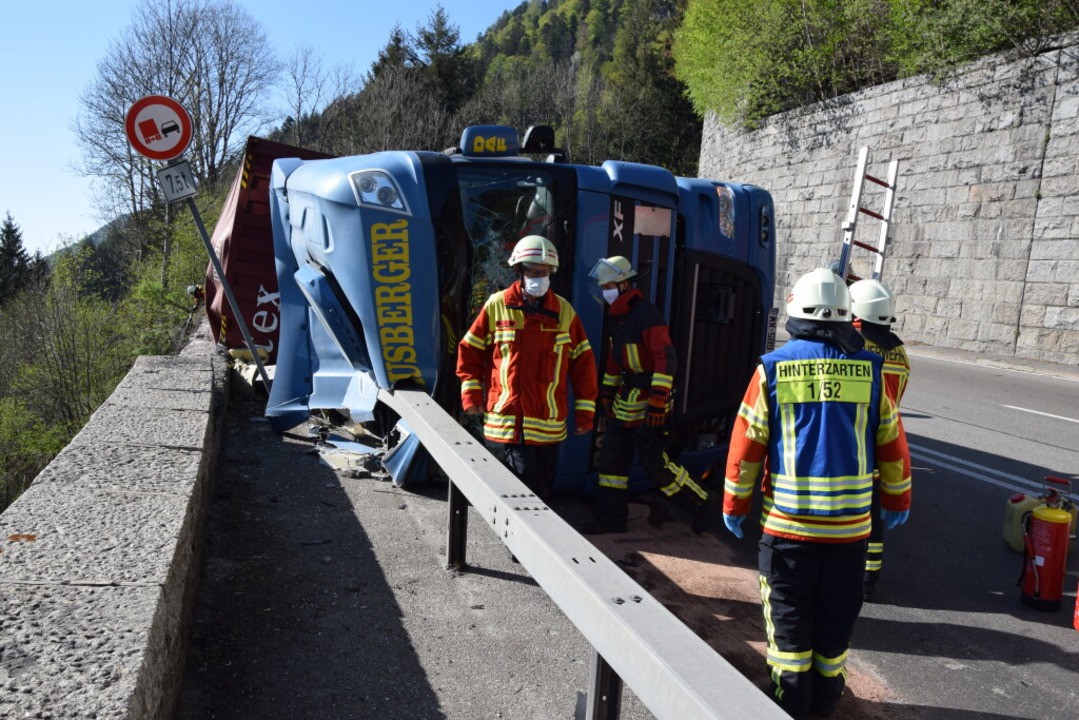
x=534, y=249
x=870, y=300
x=819, y=295
x=614, y=269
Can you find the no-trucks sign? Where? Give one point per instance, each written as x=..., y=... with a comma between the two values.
x=158, y=127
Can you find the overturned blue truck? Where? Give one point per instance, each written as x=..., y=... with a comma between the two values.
x=383, y=260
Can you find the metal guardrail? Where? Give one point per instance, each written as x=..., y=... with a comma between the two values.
x=670, y=669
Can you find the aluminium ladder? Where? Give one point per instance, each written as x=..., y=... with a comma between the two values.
x=853, y=211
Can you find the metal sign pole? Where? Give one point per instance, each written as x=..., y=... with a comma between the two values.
x=228, y=294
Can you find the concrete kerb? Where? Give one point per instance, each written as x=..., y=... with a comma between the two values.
x=99, y=557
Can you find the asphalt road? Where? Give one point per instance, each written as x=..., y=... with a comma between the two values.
x=948, y=631
x=323, y=594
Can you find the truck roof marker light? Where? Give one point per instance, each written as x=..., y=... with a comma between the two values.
x=377, y=189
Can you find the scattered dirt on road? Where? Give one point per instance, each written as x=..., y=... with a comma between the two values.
x=711, y=585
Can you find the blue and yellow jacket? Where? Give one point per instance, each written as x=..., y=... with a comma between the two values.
x=822, y=421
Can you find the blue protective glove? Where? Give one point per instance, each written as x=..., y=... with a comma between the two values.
x=734, y=524
x=893, y=518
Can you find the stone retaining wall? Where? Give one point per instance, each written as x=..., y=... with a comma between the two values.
x=985, y=242
x=99, y=557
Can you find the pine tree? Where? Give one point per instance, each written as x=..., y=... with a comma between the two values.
x=14, y=261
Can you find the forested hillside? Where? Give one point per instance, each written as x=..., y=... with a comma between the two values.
x=617, y=79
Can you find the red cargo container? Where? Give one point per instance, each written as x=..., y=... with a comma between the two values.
x=243, y=241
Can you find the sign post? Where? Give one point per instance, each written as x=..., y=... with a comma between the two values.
x=151, y=125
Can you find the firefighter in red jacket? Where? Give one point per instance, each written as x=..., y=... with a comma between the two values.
x=516, y=363
x=636, y=396
x=873, y=307
x=817, y=421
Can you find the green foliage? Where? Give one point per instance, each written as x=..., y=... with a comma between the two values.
x=746, y=61
x=935, y=37
x=27, y=444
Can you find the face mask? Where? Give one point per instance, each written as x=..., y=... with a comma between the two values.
x=537, y=287
x=610, y=295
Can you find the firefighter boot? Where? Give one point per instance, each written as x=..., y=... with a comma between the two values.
x=705, y=513
x=659, y=511
x=612, y=510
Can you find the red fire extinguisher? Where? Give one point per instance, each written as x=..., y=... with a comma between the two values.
x=1046, y=554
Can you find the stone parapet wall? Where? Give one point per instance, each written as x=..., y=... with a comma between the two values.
x=99, y=558
x=984, y=253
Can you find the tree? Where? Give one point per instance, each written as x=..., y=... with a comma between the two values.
x=443, y=60
x=308, y=87
x=211, y=56
x=15, y=264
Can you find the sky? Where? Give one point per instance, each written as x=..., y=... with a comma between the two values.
x=48, y=61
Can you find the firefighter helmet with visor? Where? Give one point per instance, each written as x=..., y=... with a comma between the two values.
x=614, y=269
x=819, y=295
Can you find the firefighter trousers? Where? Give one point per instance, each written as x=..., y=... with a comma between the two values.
x=811, y=594
x=874, y=557
x=534, y=465
x=620, y=441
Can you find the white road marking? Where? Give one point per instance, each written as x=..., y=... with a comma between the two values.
x=1039, y=412
x=1015, y=483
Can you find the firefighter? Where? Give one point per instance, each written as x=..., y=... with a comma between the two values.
x=636, y=397
x=873, y=308
x=514, y=363
x=815, y=418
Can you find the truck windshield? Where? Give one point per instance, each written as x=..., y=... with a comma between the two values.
x=500, y=205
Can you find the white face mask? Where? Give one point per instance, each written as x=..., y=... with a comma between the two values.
x=610, y=295
x=537, y=287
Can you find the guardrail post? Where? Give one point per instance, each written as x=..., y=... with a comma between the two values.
x=458, y=530
x=605, y=693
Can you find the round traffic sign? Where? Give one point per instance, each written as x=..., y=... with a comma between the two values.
x=158, y=127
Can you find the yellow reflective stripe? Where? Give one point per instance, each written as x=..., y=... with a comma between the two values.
x=582, y=347
x=475, y=341
x=861, y=425
x=619, y=482
x=815, y=527
x=795, y=662
x=612, y=380
x=788, y=436
x=662, y=381
x=766, y=605
x=894, y=468
x=830, y=667
x=631, y=407
x=552, y=389
x=633, y=358
x=819, y=495
x=780, y=660
x=584, y=405
x=471, y=384
x=503, y=378
x=748, y=472
x=683, y=478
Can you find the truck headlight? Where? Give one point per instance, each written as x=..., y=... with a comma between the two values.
x=377, y=189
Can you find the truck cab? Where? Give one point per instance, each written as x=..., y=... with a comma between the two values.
x=383, y=260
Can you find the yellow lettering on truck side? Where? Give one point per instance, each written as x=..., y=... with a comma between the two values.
x=393, y=298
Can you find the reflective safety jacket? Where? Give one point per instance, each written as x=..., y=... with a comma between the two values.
x=514, y=363
x=880, y=340
x=641, y=361
x=822, y=421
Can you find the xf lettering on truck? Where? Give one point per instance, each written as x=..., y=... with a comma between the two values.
x=392, y=273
